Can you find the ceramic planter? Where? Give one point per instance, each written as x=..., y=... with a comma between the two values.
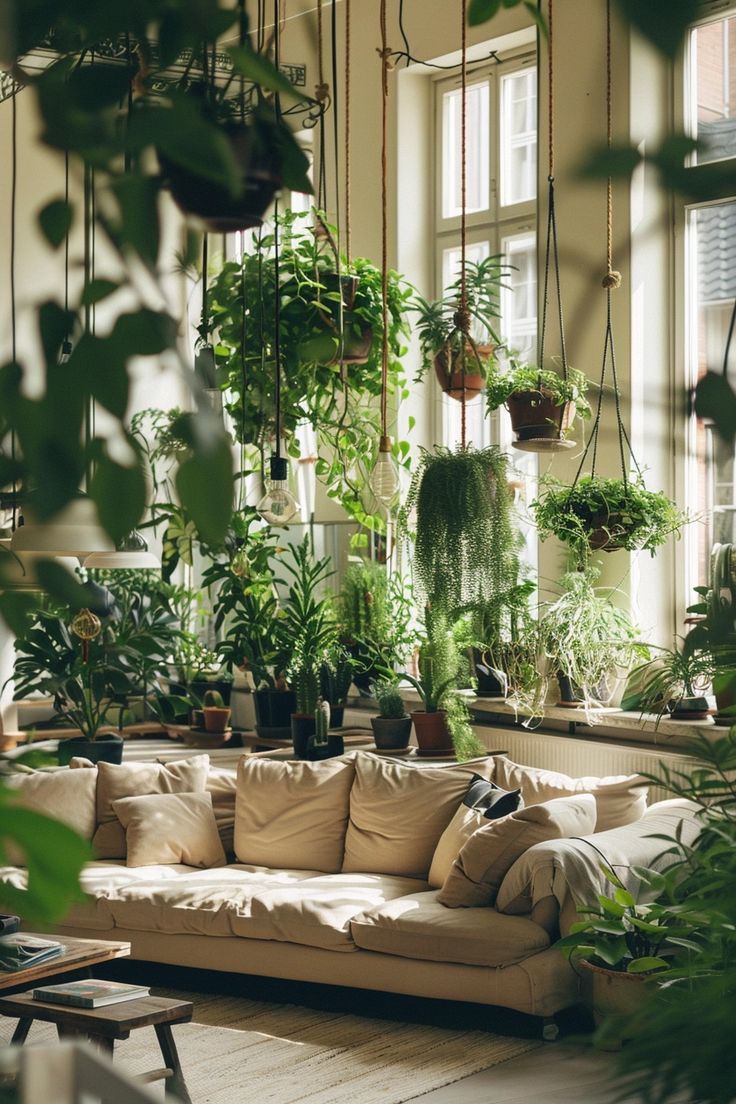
x=216, y=718
x=448, y=367
x=356, y=347
x=433, y=737
x=691, y=709
x=391, y=733
x=615, y=994
x=218, y=211
x=337, y=715
x=107, y=748
x=491, y=682
x=303, y=727
x=607, y=533
x=539, y=423
x=273, y=713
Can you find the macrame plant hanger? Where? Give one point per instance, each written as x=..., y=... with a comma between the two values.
x=385, y=476
x=555, y=418
x=611, y=281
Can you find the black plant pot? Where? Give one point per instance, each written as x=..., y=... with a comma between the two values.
x=391, y=733
x=105, y=749
x=491, y=682
x=215, y=207
x=690, y=709
x=570, y=692
x=303, y=727
x=273, y=713
x=337, y=715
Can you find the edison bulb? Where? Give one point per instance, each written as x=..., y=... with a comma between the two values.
x=278, y=505
x=385, y=476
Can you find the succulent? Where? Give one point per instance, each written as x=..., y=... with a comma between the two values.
x=213, y=700
x=390, y=702
x=321, y=723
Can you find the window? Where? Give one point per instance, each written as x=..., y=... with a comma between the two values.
x=501, y=187
x=709, y=266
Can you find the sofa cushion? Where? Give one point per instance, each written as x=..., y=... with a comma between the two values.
x=170, y=828
x=133, y=780
x=620, y=799
x=479, y=869
x=317, y=912
x=418, y=926
x=483, y=801
x=293, y=814
x=222, y=784
x=67, y=795
x=398, y=813
x=91, y=913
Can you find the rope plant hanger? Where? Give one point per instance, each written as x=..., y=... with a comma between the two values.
x=597, y=513
x=541, y=418
x=385, y=477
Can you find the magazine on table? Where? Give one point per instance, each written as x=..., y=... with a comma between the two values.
x=89, y=993
x=19, y=951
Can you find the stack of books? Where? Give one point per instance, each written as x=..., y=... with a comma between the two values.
x=19, y=951
x=90, y=993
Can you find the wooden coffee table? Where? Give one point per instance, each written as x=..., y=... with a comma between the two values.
x=79, y=957
x=102, y=1026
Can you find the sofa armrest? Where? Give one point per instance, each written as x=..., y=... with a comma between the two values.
x=551, y=879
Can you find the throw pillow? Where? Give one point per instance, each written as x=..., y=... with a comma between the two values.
x=133, y=780
x=170, y=828
x=66, y=795
x=479, y=869
x=292, y=815
x=398, y=813
x=620, y=799
x=483, y=801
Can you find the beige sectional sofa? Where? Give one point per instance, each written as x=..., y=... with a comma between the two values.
x=323, y=871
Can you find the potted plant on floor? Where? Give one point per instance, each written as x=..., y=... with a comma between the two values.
x=542, y=403
x=460, y=361
x=624, y=943
x=392, y=726
x=597, y=514
x=590, y=643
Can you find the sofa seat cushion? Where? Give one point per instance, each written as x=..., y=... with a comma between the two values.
x=418, y=926
x=317, y=912
x=92, y=913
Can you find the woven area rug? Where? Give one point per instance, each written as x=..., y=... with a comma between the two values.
x=239, y=1051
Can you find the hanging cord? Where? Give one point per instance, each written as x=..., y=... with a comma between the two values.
x=731, y=328
x=385, y=54
x=462, y=316
x=204, y=318
x=348, y=152
x=551, y=246
x=276, y=244
x=610, y=282
x=13, y=327
x=322, y=96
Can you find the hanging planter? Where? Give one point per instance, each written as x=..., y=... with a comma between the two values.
x=542, y=405
x=604, y=515
x=349, y=335
x=444, y=340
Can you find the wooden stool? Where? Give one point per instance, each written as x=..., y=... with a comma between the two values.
x=102, y=1026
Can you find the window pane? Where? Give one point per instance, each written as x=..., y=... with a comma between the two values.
x=519, y=298
x=519, y=137
x=713, y=88
x=711, y=289
x=477, y=150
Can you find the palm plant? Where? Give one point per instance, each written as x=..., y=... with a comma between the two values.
x=308, y=622
x=674, y=681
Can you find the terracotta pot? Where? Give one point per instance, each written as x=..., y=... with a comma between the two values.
x=450, y=375
x=105, y=749
x=536, y=416
x=603, y=533
x=433, y=737
x=216, y=718
x=615, y=994
x=391, y=733
x=214, y=206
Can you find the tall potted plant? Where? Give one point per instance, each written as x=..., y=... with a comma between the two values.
x=460, y=361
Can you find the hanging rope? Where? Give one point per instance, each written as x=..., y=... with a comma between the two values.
x=610, y=282
x=322, y=95
x=385, y=54
x=13, y=327
x=203, y=323
x=348, y=229
x=462, y=317
x=551, y=249
x=276, y=244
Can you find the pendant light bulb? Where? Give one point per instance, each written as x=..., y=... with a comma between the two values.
x=385, y=477
x=278, y=505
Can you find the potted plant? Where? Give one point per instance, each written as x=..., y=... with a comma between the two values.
x=496, y=623
x=542, y=403
x=216, y=713
x=624, y=942
x=675, y=681
x=464, y=536
x=715, y=630
x=374, y=611
x=461, y=363
x=336, y=677
x=392, y=726
x=597, y=514
x=590, y=643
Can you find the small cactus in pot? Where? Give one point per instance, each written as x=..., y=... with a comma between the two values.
x=216, y=713
x=392, y=726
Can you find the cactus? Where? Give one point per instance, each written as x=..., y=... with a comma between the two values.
x=321, y=723
x=213, y=700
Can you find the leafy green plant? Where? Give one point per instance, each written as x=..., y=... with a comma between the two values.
x=321, y=315
x=672, y=676
x=438, y=662
x=465, y=544
x=599, y=513
x=588, y=638
x=499, y=619
x=439, y=326
x=308, y=621
x=375, y=611
x=336, y=675
x=512, y=378
x=390, y=702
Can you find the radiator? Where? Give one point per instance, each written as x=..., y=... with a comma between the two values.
x=580, y=755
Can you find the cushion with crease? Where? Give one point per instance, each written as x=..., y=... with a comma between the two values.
x=483, y=801
x=162, y=829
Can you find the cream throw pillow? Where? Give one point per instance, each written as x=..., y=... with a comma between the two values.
x=398, y=813
x=620, y=799
x=479, y=869
x=476, y=811
x=65, y=795
x=134, y=780
x=293, y=815
x=170, y=828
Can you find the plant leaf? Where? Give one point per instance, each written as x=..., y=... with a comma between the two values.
x=120, y=495
x=55, y=220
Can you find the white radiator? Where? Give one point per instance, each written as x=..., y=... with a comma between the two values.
x=579, y=755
